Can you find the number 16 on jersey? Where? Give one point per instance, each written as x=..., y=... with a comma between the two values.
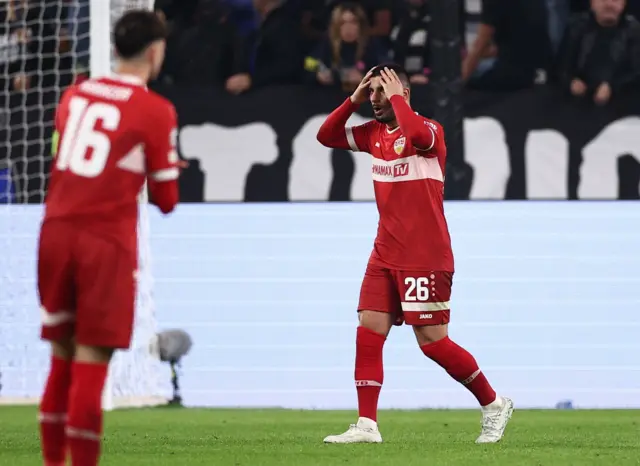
x=84, y=149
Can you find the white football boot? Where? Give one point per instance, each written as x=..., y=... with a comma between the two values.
x=365, y=431
x=495, y=418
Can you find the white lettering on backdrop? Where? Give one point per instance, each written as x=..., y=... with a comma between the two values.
x=228, y=154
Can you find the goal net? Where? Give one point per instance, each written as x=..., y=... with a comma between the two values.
x=45, y=48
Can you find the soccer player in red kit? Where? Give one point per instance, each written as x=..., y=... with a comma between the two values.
x=113, y=134
x=410, y=271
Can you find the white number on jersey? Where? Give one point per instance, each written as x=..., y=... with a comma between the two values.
x=81, y=136
x=417, y=289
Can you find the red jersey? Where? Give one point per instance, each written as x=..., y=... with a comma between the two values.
x=408, y=183
x=111, y=133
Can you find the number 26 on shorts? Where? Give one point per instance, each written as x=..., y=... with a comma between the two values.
x=417, y=289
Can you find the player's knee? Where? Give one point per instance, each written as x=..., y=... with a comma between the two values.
x=63, y=349
x=427, y=334
x=93, y=354
x=379, y=322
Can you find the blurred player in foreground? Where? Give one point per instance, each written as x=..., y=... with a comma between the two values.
x=114, y=134
x=409, y=275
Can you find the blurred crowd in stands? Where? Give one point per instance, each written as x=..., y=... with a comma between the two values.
x=591, y=47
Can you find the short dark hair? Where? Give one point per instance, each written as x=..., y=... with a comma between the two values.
x=135, y=31
x=399, y=69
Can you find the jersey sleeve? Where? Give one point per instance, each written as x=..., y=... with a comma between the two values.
x=335, y=134
x=160, y=145
x=358, y=137
x=437, y=138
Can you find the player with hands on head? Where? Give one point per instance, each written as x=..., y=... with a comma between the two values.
x=410, y=271
x=112, y=135
x=361, y=94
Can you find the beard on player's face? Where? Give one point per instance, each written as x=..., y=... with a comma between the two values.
x=384, y=113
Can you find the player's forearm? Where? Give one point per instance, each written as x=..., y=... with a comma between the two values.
x=332, y=133
x=164, y=194
x=412, y=126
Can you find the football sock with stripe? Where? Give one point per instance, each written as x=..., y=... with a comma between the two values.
x=53, y=412
x=462, y=366
x=84, y=427
x=369, y=372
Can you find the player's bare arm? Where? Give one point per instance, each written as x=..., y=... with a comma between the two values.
x=413, y=126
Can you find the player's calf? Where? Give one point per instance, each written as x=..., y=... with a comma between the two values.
x=462, y=366
x=54, y=405
x=369, y=375
x=84, y=426
x=458, y=362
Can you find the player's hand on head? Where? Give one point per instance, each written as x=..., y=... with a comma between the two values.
x=361, y=94
x=391, y=83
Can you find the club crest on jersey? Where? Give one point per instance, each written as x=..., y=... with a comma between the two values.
x=398, y=146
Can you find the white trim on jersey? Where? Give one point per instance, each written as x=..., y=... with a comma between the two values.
x=391, y=131
x=409, y=168
x=433, y=141
x=168, y=174
x=351, y=139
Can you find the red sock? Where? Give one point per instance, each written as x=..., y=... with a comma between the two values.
x=84, y=427
x=462, y=366
x=53, y=412
x=369, y=374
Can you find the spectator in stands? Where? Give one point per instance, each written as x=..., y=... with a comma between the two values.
x=208, y=53
x=601, y=52
x=275, y=49
x=18, y=59
x=410, y=40
x=34, y=42
x=558, y=17
x=580, y=6
x=513, y=34
x=243, y=15
x=35, y=65
x=633, y=8
x=180, y=14
x=316, y=15
x=347, y=53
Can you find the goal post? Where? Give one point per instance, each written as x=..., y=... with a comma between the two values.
x=133, y=379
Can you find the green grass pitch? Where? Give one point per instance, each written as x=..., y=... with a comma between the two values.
x=216, y=437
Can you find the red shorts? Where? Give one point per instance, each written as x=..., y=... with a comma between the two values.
x=417, y=298
x=87, y=287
